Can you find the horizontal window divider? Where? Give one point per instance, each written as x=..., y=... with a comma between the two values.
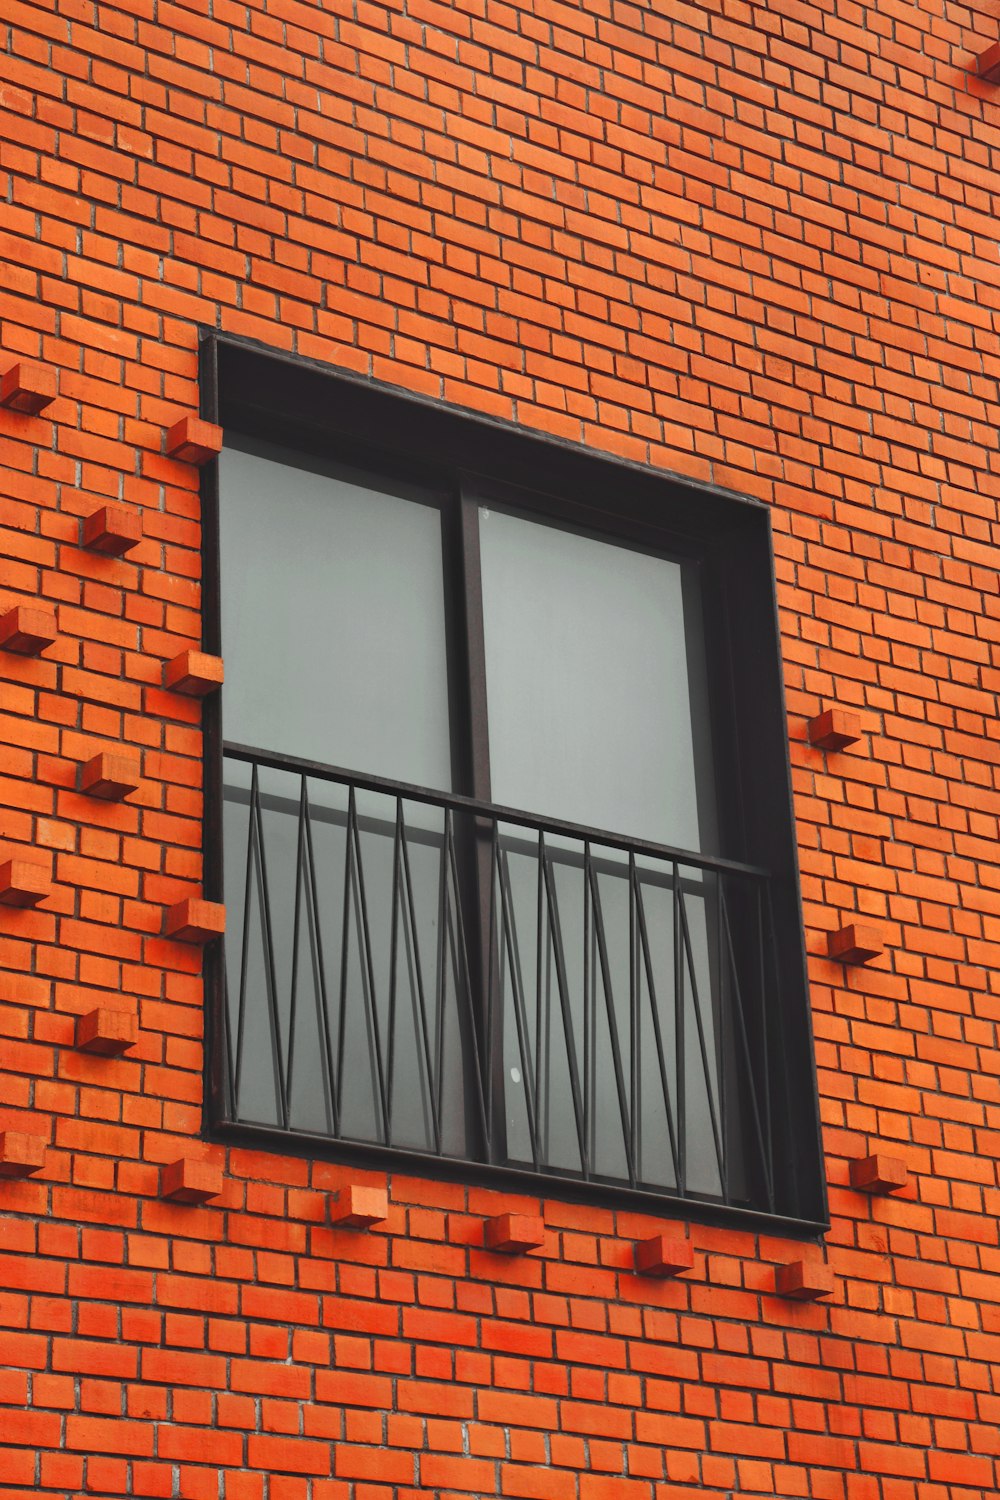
x=495, y=812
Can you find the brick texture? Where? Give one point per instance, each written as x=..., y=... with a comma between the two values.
x=755, y=245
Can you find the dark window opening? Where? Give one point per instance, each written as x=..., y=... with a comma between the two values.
x=505, y=832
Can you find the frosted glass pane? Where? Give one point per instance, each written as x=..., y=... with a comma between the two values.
x=333, y=621
x=587, y=681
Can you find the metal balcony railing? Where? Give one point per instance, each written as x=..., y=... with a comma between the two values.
x=419, y=973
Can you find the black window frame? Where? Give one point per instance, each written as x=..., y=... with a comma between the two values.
x=313, y=408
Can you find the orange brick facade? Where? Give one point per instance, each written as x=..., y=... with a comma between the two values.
x=752, y=245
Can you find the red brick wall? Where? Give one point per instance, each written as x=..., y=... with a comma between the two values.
x=755, y=245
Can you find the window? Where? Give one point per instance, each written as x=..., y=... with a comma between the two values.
x=504, y=830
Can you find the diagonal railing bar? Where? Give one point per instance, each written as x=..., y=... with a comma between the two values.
x=245, y=946
x=654, y=1010
x=680, y=1044
x=509, y=929
x=589, y=1007
x=267, y=937
x=293, y=994
x=616, y=1054
x=319, y=969
x=412, y=937
x=543, y=1034
x=562, y=985
x=463, y=981
x=441, y=970
x=744, y=1040
x=367, y=968
x=393, y=964
x=634, y=1022
x=703, y=1049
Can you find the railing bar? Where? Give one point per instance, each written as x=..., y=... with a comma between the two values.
x=609, y=1005
x=416, y=976
x=722, y=1026
x=319, y=968
x=393, y=963
x=564, y=1005
x=345, y=945
x=244, y=953
x=367, y=969
x=494, y=811
x=679, y=1040
x=588, y=1008
x=492, y=979
x=271, y=981
x=703, y=1049
x=748, y=1060
x=541, y=1030
x=654, y=1010
x=464, y=973
x=634, y=1019
x=296, y=917
x=520, y=1012
x=441, y=962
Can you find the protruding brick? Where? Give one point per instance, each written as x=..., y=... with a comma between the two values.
x=20, y=1155
x=988, y=64
x=662, y=1256
x=834, y=729
x=359, y=1207
x=855, y=944
x=23, y=882
x=194, y=673
x=106, y=1032
x=28, y=387
x=879, y=1173
x=196, y=921
x=27, y=629
x=112, y=775
x=192, y=440
x=191, y=1180
x=112, y=530
x=513, y=1234
x=804, y=1280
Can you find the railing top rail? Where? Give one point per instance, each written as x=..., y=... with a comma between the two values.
x=491, y=810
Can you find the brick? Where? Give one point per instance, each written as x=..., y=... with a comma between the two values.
x=359, y=1207
x=513, y=1234
x=112, y=530
x=190, y=1180
x=879, y=1174
x=988, y=64
x=28, y=387
x=194, y=673
x=192, y=440
x=20, y=1155
x=111, y=775
x=106, y=1032
x=23, y=882
x=804, y=1280
x=28, y=629
x=834, y=729
x=855, y=944
x=195, y=921
x=663, y=1256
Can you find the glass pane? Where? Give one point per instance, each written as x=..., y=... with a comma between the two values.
x=333, y=620
x=589, y=683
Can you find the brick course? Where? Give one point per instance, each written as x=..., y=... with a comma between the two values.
x=752, y=245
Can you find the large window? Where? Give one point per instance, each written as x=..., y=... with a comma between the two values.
x=504, y=829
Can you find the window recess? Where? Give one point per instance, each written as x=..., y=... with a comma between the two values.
x=499, y=808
